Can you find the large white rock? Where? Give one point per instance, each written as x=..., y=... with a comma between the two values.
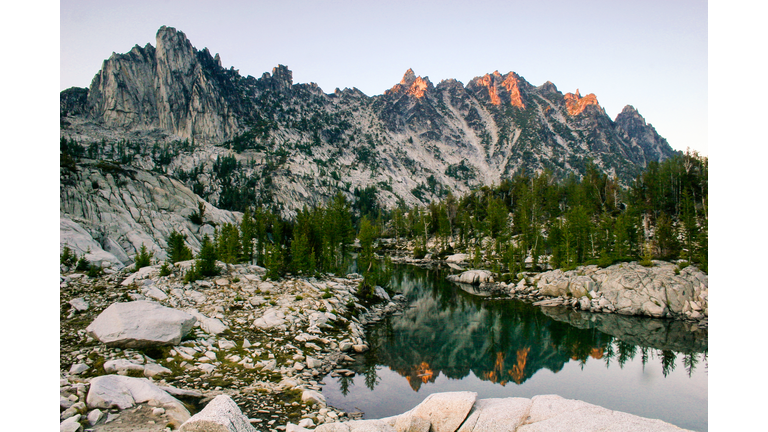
x=497, y=415
x=109, y=391
x=140, y=324
x=220, y=415
x=552, y=413
x=271, y=318
x=472, y=277
x=445, y=411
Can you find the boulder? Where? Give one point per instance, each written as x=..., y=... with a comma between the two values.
x=108, y=391
x=220, y=415
x=497, y=415
x=457, y=258
x=271, y=318
x=552, y=412
x=445, y=411
x=71, y=424
x=79, y=304
x=310, y=397
x=472, y=277
x=140, y=324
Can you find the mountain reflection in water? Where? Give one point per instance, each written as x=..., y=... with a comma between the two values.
x=448, y=333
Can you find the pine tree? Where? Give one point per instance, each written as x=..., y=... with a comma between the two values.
x=177, y=249
x=143, y=258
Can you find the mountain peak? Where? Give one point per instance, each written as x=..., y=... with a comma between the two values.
x=501, y=86
x=575, y=104
x=412, y=84
x=408, y=78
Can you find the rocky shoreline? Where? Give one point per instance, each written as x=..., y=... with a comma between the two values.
x=663, y=290
x=265, y=344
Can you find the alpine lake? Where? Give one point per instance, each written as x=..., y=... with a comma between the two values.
x=449, y=340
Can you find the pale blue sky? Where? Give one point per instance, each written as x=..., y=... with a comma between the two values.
x=650, y=54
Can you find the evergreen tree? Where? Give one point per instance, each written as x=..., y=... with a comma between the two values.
x=143, y=258
x=177, y=249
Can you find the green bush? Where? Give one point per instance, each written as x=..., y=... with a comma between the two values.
x=67, y=257
x=94, y=271
x=143, y=258
x=165, y=269
x=82, y=264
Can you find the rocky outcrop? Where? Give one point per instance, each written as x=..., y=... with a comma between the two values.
x=140, y=324
x=660, y=291
x=108, y=211
x=456, y=412
x=169, y=87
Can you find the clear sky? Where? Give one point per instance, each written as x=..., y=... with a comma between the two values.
x=650, y=54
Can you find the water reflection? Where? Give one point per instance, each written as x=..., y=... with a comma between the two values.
x=449, y=333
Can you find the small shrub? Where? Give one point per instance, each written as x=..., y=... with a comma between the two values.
x=419, y=252
x=82, y=264
x=165, y=269
x=299, y=298
x=94, y=271
x=143, y=258
x=67, y=257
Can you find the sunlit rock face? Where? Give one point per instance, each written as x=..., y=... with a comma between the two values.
x=176, y=110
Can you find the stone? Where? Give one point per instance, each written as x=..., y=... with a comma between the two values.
x=152, y=370
x=155, y=293
x=457, y=258
x=271, y=318
x=72, y=424
x=78, y=368
x=122, y=366
x=306, y=423
x=473, y=277
x=310, y=397
x=445, y=411
x=497, y=415
x=257, y=300
x=346, y=345
x=79, y=304
x=209, y=325
x=108, y=391
x=140, y=324
x=313, y=363
x=220, y=415
x=95, y=416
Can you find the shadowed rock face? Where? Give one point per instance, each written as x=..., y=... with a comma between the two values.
x=419, y=139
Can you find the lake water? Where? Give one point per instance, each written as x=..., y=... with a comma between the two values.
x=448, y=340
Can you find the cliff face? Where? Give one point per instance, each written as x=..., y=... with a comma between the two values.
x=297, y=145
x=169, y=87
x=108, y=212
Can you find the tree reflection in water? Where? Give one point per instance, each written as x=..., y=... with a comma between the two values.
x=447, y=331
